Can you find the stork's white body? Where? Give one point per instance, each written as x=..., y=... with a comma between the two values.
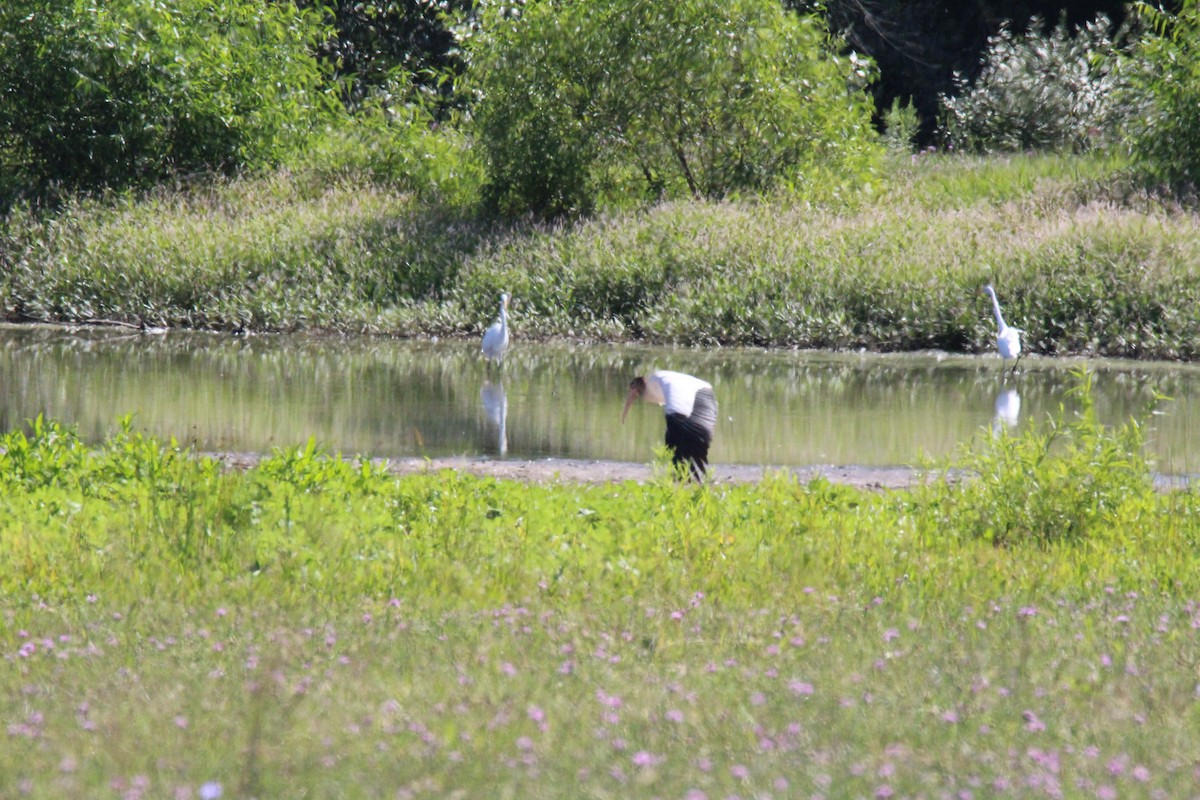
x=495, y=338
x=674, y=391
x=691, y=412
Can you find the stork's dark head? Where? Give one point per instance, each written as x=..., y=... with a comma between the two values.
x=637, y=388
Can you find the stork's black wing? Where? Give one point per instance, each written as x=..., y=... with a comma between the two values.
x=689, y=437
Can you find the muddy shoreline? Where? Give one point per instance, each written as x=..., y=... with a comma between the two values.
x=568, y=470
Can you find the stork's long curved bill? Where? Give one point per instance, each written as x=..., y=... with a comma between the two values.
x=633, y=395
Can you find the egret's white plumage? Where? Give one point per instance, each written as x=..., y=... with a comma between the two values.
x=495, y=406
x=1008, y=339
x=1006, y=411
x=495, y=338
x=691, y=411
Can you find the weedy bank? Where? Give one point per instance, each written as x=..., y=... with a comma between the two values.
x=318, y=625
x=1081, y=264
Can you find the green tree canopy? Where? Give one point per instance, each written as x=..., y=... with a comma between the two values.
x=1041, y=91
x=390, y=51
x=581, y=100
x=96, y=94
x=1165, y=133
x=922, y=46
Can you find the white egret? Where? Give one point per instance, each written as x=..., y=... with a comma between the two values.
x=691, y=411
x=1008, y=339
x=495, y=338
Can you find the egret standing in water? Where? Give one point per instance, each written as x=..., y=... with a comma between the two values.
x=1008, y=340
x=495, y=338
x=691, y=411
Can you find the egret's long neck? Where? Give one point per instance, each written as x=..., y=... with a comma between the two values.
x=996, y=310
x=504, y=316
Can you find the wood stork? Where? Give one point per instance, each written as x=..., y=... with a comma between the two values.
x=495, y=338
x=691, y=411
x=1008, y=339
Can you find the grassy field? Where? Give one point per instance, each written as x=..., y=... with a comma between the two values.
x=1081, y=264
x=317, y=627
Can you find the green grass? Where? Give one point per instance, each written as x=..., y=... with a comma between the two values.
x=841, y=696
x=1081, y=265
x=319, y=626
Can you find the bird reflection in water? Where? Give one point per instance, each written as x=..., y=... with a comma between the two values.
x=1007, y=411
x=495, y=407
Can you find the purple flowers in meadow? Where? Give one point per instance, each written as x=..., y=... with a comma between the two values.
x=825, y=699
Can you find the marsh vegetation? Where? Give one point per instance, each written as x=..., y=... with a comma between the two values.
x=320, y=624
x=1080, y=269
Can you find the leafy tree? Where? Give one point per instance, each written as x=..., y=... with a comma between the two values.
x=101, y=94
x=583, y=100
x=1164, y=136
x=921, y=45
x=388, y=51
x=1050, y=91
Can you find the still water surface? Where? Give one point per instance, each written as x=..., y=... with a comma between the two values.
x=386, y=398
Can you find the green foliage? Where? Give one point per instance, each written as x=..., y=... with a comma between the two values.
x=402, y=148
x=274, y=253
x=920, y=45
x=176, y=510
x=1071, y=481
x=333, y=246
x=126, y=93
x=583, y=103
x=392, y=53
x=1055, y=91
x=139, y=515
x=1165, y=75
x=279, y=628
x=535, y=697
x=900, y=127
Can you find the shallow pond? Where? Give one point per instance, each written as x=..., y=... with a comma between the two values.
x=388, y=398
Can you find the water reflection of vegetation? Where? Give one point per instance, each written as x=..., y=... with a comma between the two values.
x=389, y=398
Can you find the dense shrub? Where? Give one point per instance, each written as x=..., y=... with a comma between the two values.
x=901, y=126
x=1057, y=90
x=340, y=245
x=919, y=45
x=586, y=101
x=1065, y=482
x=401, y=148
x=1165, y=136
x=393, y=51
x=126, y=92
